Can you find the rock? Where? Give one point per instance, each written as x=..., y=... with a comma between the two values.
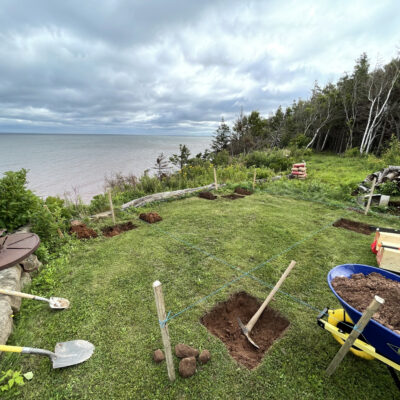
x=150, y=217
x=187, y=367
x=31, y=263
x=183, y=351
x=10, y=280
x=158, y=356
x=6, y=322
x=204, y=357
x=25, y=279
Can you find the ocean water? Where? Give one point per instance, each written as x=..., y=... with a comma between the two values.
x=77, y=164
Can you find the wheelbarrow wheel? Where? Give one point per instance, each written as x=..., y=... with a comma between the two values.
x=341, y=320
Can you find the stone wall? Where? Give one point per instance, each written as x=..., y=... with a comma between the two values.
x=14, y=278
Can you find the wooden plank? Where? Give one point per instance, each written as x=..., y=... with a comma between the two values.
x=388, y=259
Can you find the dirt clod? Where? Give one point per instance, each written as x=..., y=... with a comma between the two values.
x=183, y=351
x=222, y=321
x=204, y=357
x=233, y=196
x=243, y=191
x=82, y=231
x=354, y=226
x=187, y=367
x=207, y=195
x=158, y=356
x=115, y=230
x=150, y=217
x=360, y=289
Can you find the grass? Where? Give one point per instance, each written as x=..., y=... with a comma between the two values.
x=108, y=282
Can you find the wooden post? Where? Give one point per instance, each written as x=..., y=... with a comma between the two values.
x=254, y=179
x=164, y=329
x=357, y=330
x=215, y=179
x=370, y=196
x=111, y=205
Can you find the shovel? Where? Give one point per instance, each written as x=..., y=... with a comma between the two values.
x=65, y=354
x=246, y=329
x=56, y=303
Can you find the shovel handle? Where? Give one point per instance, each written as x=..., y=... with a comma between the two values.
x=27, y=350
x=20, y=294
x=256, y=316
x=11, y=349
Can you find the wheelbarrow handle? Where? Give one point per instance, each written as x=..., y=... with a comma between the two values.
x=26, y=350
x=23, y=295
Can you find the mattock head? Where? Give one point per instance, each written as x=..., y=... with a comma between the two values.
x=246, y=333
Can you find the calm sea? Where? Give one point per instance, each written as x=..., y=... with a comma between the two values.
x=70, y=164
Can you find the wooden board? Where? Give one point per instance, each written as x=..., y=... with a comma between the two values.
x=388, y=259
x=393, y=238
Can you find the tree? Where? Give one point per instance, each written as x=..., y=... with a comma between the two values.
x=182, y=158
x=222, y=137
x=161, y=166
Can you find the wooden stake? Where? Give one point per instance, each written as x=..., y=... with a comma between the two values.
x=164, y=329
x=358, y=328
x=111, y=205
x=215, y=179
x=254, y=179
x=370, y=196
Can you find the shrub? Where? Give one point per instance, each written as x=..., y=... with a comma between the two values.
x=353, y=152
x=278, y=160
x=392, y=154
x=389, y=188
x=221, y=158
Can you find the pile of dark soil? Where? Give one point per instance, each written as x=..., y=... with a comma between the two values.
x=82, y=231
x=115, y=230
x=243, y=191
x=354, y=226
x=150, y=217
x=222, y=322
x=207, y=195
x=233, y=196
x=360, y=289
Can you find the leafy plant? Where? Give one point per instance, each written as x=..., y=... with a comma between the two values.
x=10, y=379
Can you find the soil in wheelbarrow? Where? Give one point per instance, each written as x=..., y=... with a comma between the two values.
x=207, y=195
x=243, y=191
x=222, y=322
x=110, y=231
x=360, y=289
x=82, y=231
x=354, y=226
x=233, y=196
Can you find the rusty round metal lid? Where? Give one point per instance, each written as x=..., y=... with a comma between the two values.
x=16, y=247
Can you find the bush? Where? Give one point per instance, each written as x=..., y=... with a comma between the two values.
x=392, y=154
x=221, y=158
x=299, y=141
x=278, y=160
x=389, y=188
x=353, y=152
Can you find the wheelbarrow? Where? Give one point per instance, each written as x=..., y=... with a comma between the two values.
x=376, y=341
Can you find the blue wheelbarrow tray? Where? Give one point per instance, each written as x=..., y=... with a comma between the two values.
x=385, y=341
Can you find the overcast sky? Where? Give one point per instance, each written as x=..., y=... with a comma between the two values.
x=173, y=66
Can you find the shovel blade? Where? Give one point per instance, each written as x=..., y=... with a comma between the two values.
x=58, y=303
x=72, y=353
x=246, y=333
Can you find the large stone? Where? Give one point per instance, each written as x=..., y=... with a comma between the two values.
x=31, y=263
x=25, y=280
x=10, y=280
x=6, y=322
x=187, y=367
x=183, y=351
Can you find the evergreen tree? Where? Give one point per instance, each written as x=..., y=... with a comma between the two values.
x=161, y=166
x=182, y=158
x=222, y=137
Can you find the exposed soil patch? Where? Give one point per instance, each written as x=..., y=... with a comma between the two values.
x=222, y=322
x=233, y=196
x=207, y=195
x=82, y=231
x=354, y=226
x=150, y=217
x=243, y=191
x=115, y=230
x=360, y=289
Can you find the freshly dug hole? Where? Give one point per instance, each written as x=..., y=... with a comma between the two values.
x=110, y=231
x=233, y=196
x=354, y=226
x=207, y=195
x=243, y=191
x=222, y=322
x=82, y=231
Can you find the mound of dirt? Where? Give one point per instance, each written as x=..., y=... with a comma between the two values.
x=243, y=191
x=360, y=289
x=222, y=321
x=110, y=231
x=82, y=231
x=233, y=196
x=150, y=217
x=207, y=195
x=354, y=226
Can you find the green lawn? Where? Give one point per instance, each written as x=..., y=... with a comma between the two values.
x=108, y=282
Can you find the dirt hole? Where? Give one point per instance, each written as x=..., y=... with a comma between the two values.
x=354, y=226
x=222, y=322
x=233, y=196
x=82, y=231
x=207, y=195
x=115, y=230
x=243, y=191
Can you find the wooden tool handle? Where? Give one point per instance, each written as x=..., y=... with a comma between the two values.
x=256, y=316
x=17, y=294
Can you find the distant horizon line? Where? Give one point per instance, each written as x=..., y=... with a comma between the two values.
x=107, y=134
